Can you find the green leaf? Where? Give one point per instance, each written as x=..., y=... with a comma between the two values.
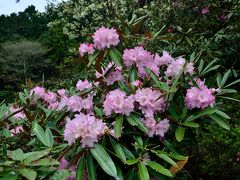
x=232, y=99
x=43, y=162
x=220, y=121
x=134, y=120
x=33, y=156
x=16, y=155
x=131, y=161
x=91, y=168
x=118, y=149
x=39, y=132
x=172, y=155
x=191, y=124
x=143, y=171
x=124, y=87
x=223, y=114
x=98, y=111
x=104, y=160
x=80, y=169
x=204, y=112
x=234, y=82
x=118, y=126
x=157, y=167
x=133, y=75
x=115, y=56
x=49, y=137
x=189, y=41
x=179, y=133
x=28, y=173
x=166, y=158
x=162, y=86
x=92, y=58
x=200, y=66
x=225, y=77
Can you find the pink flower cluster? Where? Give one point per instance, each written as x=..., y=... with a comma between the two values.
x=150, y=101
x=82, y=85
x=86, y=48
x=118, y=102
x=141, y=58
x=86, y=127
x=154, y=128
x=64, y=164
x=105, y=38
x=201, y=97
x=175, y=67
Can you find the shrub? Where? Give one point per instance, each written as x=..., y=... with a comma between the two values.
x=127, y=118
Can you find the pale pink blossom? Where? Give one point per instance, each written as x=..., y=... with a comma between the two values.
x=156, y=128
x=113, y=76
x=150, y=101
x=141, y=58
x=16, y=130
x=105, y=38
x=201, y=97
x=19, y=115
x=189, y=68
x=86, y=48
x=82, y=85
x=61, y=92
x=165, y=59
x=118, y=102
x=137, y=83
x=50, y=97
x=86, y=127
x=205, y=10
x=175, y=67
x=38, y=91
x=74, y=103
x=87, y=104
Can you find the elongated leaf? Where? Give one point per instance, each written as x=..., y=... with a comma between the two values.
x=234, y=82
x=156, y=34
x=16, y=155
x=118, y=150
x=225, y=78
x=157, y=167
x=44, y=162
x=91, y=168
x=39, y=132
x=80, y=169
x=220, y=121
x=209, y=65
x=104, y=160
x=33, y=156
x=172, y=155
x=204, y=112
x=49, y=137
x=211, y=69
x=115, y=56
x=223, y=114
x=162, y=86
x=135, y=121
x=143, y=171
x=124, y=87
x=200, y=66
x=118, y=126
x=166, y=158
x=232, y=99
x=191, y=124
x=179, y=133
x=131, y=161
x=28, y=173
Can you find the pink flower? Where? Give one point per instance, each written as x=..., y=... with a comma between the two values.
x=175, y=67
x=113, y=76
x=50, y=97
x=38, y=91
x=74, y=103
x=137, y=83
x=199, y=97
x=82, y=85
x=105, y=38
x=205, y=10
x=141, y=58
x=166, y=58
x=154, y=128
x=189, y=68
x=86, y=127
x=118, y=102
x=19, y=115
x=61, y=92
x=150, y=101
x=16, y=130
x=86, y=48
x=87, y=104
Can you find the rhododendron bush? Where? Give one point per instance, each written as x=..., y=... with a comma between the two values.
x=122, y=123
